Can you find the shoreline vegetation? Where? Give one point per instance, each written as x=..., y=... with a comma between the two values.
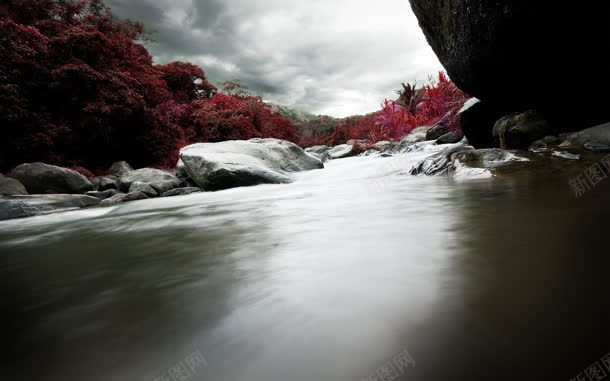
x=81, y=102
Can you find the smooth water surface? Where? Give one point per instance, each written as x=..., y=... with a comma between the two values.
x=328, y=278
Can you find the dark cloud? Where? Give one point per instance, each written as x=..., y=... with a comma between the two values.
x=335, y=57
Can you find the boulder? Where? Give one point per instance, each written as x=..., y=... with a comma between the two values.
x=598, y=135
x=102, y=183
x=144, y=188
x=516, y=55
x=10, y=186
x=39, y=178
x=119, y=168
x=477, y=120
x=102, y=195
x=181, y=191
x=436, y=132
x=159, y=180
x=449, y=138
x=123, y=197
x=11, y=209
x=520, y=130
x=341, y=151
x=319, y=152
x=229, y=164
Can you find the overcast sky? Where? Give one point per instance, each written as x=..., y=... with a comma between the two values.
x=333, y=57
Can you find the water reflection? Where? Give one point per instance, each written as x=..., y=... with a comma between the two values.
x=320, y=279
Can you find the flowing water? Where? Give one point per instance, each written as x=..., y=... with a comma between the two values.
x=348, y=271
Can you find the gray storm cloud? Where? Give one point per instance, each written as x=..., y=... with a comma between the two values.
x=337, y=58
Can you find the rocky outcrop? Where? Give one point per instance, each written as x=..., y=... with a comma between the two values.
x=159, y=180
x=519, y=55
x=119, y=168
x=10, y=186
x=230, y=164
x=32, y=205
x=39, y=178
x=182, y=191
x=477, y=120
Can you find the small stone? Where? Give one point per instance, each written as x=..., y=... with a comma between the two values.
x=181, y=191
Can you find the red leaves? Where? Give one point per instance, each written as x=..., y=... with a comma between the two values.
x=439, y=103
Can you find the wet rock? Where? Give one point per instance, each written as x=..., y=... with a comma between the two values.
x=39, y=178
x=229, y=164
x=144, y=188
x=520, y=130
x=119, y=168
x=124, y=197
x=596, y=135
x=597, y=147
x=566, y=155
x=511, y=53
x=383, y=145
x=102, y=183
x=436, y=132
x=10, y=186
x=477, y=120
x=538, y=145
x=160, y=181
x=182, y=191
x=449, y=138
x=319, y=152
x=439, y=163
x=102, y=195
x=53, y=202
x=341, y=151
x=11, y=209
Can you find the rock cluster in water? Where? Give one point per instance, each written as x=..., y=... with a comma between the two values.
x=37, y=188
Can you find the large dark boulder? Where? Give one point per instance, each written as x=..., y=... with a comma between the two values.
x=477, y=120
x=546, y=55
x=39, y=178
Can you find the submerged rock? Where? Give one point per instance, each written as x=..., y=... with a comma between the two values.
x=10, y=186
x=102, y=195
x=54, y=202
x=40, y=178
x=230, y=164
x=159, y=180
x=124, y=197
x=119, y=168
x=182, y=191
x=11, y=209
x=520, y=130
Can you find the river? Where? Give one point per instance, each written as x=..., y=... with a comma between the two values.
x=348, y=271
